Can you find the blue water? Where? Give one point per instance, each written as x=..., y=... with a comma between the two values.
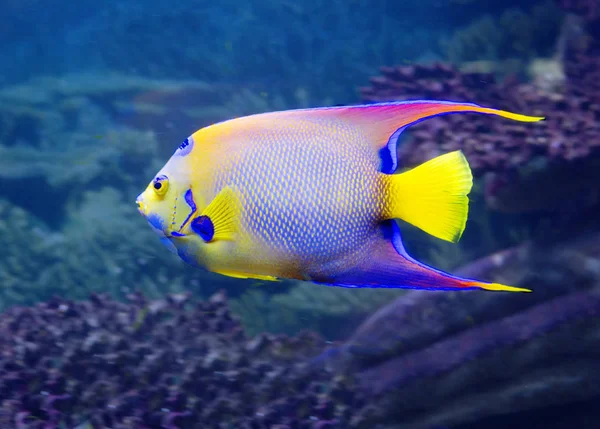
x=102, y=327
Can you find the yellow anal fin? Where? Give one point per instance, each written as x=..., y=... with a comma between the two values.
x=433, y=196
x=223, y=211
x=247, y=275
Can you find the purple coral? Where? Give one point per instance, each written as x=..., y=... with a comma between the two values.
x=464, y=359
x=172, y=364
x=589, y=9
x=534, y=361
x=527, y=166
x=571, y=131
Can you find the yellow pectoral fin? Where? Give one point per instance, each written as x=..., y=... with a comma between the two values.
x=433, y=196
x=247, y=275
x=223, y=213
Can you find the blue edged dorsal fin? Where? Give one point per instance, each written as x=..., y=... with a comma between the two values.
x=383, y=123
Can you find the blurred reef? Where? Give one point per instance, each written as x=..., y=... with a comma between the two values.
x=174, y=363
x=426, y=359
x=467, y=360
x=506, y=42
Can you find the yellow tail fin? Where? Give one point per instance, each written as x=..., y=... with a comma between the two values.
x=433, y=196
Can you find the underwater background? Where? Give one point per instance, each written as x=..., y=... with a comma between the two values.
x=102, y=327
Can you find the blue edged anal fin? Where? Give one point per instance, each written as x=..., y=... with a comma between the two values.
x=385, y=264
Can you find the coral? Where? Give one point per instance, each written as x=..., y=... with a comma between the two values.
x=526, y=362
x=174, y=363
x=551, y=268
x=61, y=142
x=468, y=359
x=81, y=169
x=514, y=35
x=590, y=9
x=23, y=239
x=489, y=143
x=568, y=139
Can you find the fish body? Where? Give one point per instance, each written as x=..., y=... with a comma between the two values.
x=307, y=200
x=309, y=194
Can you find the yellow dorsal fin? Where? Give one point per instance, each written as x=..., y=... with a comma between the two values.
x=223, y=211
x=433, y=196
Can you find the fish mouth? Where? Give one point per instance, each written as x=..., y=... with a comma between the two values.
x=141, y=207
x=173, y=224
x=155, y=221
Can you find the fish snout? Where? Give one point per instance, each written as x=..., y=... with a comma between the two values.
x=142, y=208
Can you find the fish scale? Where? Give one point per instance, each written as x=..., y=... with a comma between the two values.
x=299, y=199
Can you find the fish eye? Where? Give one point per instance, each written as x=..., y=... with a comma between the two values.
x=161, y=185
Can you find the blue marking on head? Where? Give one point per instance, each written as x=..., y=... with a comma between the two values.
x=156, y=221
x=177, y=234
x=189, y=199
x=185, y=147
x=204, y=227
x=389, y=153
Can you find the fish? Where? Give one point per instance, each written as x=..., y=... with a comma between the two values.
x=314, y=195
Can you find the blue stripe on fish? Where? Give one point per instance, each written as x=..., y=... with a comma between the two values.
x=156, y=221
x=189, y=199
x=185, y=147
